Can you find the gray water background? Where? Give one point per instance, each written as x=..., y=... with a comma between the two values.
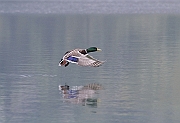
x=89, y=6
x=140, y=75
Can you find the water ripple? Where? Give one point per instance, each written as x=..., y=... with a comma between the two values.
x=25, y=75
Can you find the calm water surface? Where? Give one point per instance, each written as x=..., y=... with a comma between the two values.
x=89, y=6
x=140, y=75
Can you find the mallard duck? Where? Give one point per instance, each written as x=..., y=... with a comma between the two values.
x=80, y=57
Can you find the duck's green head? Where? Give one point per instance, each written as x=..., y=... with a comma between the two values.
x=92, y=49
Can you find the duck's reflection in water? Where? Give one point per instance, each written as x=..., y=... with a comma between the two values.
x=85, y=95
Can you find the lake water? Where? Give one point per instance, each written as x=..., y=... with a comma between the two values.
x=89, y=6
x=140, y=76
